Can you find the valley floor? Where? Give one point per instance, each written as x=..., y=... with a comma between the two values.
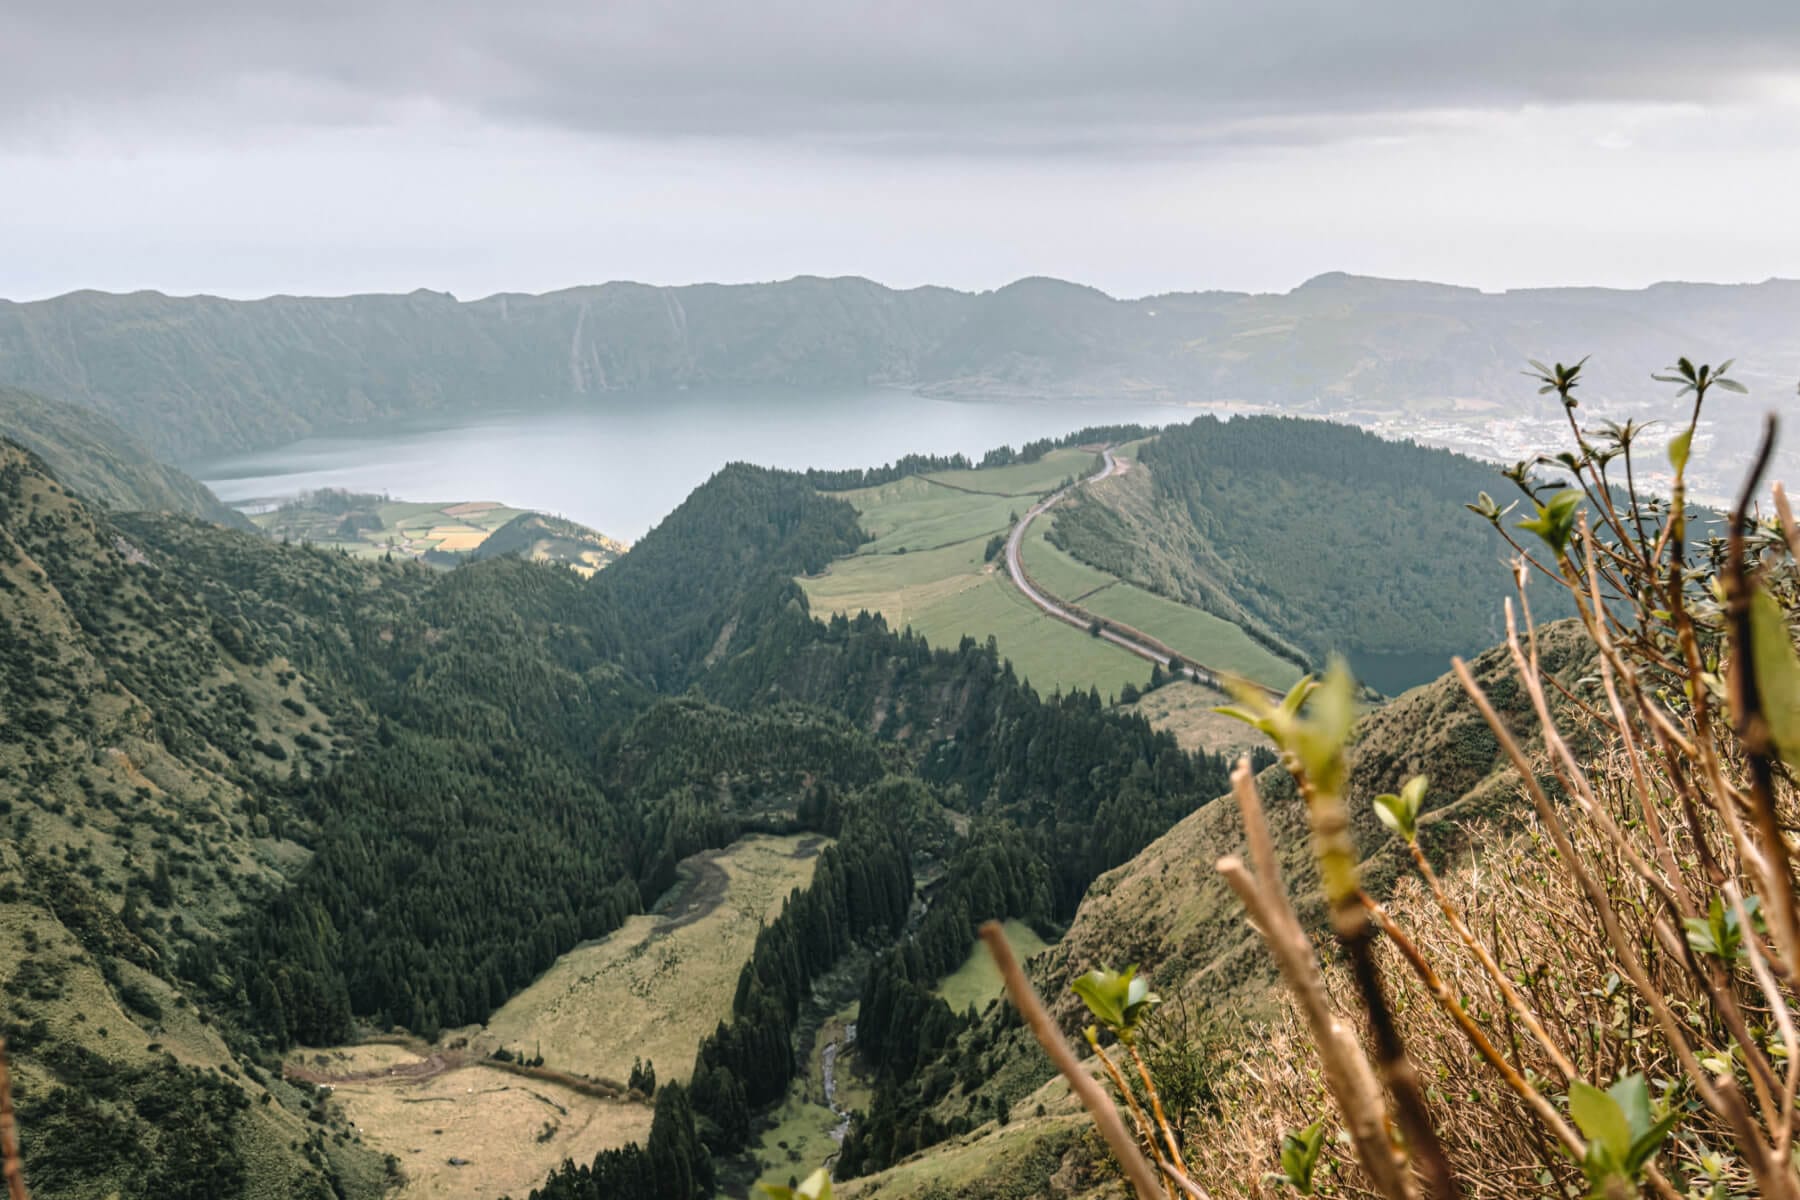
x=464, y=1125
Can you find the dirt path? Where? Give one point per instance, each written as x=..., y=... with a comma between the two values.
x=1123, y=636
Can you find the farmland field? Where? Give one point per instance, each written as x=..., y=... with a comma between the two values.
x=1195, y=633
x=469, y=1130
x=660, y=983
x=652, y=989
x=371, y=526
x=977, y=981
x=927, y=568
x=950, y=593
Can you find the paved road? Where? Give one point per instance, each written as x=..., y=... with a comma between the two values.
x=1049, y=604
x=1053, y=607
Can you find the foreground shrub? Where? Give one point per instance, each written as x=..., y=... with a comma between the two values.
x=1602, y=1005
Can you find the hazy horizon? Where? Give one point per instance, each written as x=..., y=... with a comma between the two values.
x=1147, y=147
x=252, y=297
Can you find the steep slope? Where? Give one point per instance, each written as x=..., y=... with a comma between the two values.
x=1169, y=910
x=142, y=774
x=96, y=458
x=198, y=375
x=964, y=1121
x=1323, y=537
x=252, y=793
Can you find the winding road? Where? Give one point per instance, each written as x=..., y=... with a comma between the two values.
x=1061, y=610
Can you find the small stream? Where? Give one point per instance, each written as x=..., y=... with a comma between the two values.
x=828, y=1061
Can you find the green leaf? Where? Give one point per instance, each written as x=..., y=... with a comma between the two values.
x=1238, y=713
x=1103, y=998
x=1777, y=674
x=1555, y=521
x=1679, y=445
x=1318, y=741
x=1647, y=1143
x=1632, y=1096
x=1300, y=1156
x=1119, y=1000
x=1401, y=813
x=1600, y=1119
x=1297, y=695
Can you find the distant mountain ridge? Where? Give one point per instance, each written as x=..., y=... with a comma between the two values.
x=197, y=376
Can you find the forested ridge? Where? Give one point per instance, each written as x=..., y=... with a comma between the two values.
x=1324, y=536
x=486, y=766
x=95, y=458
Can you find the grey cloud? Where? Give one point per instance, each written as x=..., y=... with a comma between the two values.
x=1038, y=76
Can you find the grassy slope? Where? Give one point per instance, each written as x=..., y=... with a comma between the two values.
x=977, y=981
x=663, y=981
x=103, y=791
x=1122, y=524
x=1200, y=635
x=102, y=462
x=540, y=537
x=925, y=568
x=506, y=1132
x=1168, y=910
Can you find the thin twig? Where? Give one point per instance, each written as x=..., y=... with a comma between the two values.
x=1752, y=725
x=1347, y=1071
x=1025, y=998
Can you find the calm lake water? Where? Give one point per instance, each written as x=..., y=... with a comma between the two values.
x=623, y=463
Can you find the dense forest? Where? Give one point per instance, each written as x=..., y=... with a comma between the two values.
x=1323, y=536
x=482, y=768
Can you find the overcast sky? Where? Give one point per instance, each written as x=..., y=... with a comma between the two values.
x=243, y=147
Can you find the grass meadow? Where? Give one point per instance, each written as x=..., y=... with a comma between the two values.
x=653, y=989
x=926, y=569
x=977, y=981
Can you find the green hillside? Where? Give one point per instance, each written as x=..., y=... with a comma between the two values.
x=931, y=565
x=105, y=464
x=544, y=538
x=1167, y=909
x=1318, y=537
x=253, y=793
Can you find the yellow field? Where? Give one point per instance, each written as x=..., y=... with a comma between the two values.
x=505, y=1133
x=659, y=984
x=456, y=538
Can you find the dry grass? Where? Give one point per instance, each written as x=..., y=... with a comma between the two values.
x=658, y=985
x=652, y=989
x=1186, y=710
x=509, y=1132
x=457, y=538
x=1616, y=939
x=1534, y=918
